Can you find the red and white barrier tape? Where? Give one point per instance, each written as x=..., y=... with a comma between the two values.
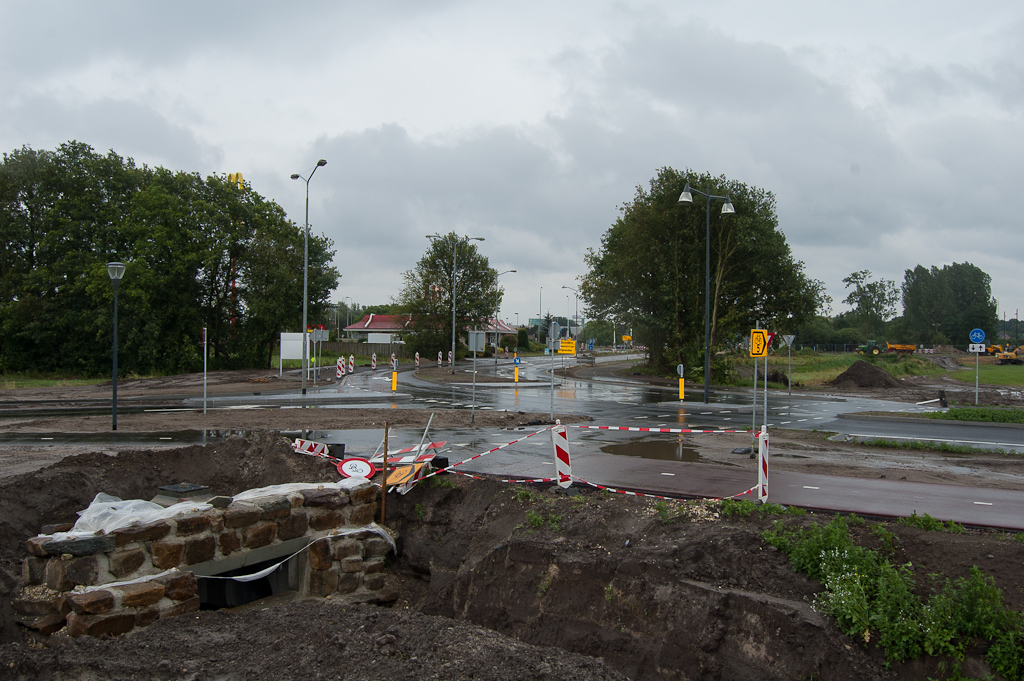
x=478, y=477
x=489, y=451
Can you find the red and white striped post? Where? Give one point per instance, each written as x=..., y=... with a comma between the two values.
x=762, y=465
x=560, y=440
x=417, y=360
x=351, y=364
x=438, y=359
x=341, y=367
x=373, y=361
x=450, y=358
x=393, y=361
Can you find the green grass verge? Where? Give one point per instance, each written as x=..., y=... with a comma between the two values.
x=944, y=447
x=982, y=414
x=992, y=374
x=19, y=381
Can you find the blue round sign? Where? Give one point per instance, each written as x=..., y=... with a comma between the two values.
x=977, y=336
x=516, y=361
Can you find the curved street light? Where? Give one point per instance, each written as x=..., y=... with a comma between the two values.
x=686, y=199
x=115, y=270
x=455, y=256
x=496, y=313
x=305, y=272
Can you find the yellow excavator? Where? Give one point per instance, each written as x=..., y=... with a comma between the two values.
x=1011, y=356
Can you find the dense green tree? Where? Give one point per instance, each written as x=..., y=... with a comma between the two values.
x=598, y=329
x=431, y=286
x=948, y=303
x=649, y=270
x=199, y=252
x=873, y=303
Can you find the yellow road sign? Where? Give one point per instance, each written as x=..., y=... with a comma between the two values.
x=758, y=343
x=626, y=338
x=567, y=347
x=403, y=474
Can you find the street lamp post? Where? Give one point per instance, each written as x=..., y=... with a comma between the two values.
x=686, y=198
x=455, y=256
x=305, y=271
x=496, y=335
x=576, y=296
x=115, y=270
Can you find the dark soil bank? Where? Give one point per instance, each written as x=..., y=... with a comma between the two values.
x=492, y=581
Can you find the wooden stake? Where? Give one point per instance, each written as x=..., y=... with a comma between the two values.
x=384, y=480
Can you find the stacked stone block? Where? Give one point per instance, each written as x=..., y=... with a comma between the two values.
x=57, y=571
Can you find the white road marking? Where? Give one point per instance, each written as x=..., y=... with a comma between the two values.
x=674, y=474
x=165, y=438
x=810, y=487
x=46, y=438
x=785, y=422
x=983, y=503
x=799, y=420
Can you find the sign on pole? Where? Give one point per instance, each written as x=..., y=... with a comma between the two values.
x=977, y=347
x=567, y=347
x=759, y=343
x=977, y=336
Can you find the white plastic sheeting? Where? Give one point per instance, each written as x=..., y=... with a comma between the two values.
x=107, y=513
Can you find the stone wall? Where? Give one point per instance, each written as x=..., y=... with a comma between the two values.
x=81, y=582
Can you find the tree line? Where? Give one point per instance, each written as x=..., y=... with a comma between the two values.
x=200, y=252
x=940, y=306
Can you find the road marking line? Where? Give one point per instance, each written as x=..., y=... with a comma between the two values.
x=810, y=487
x=674, y=474
x=799, y=420
x=166, y=438
x=785, y=422
x=983, y=503
x=46, y=438
x=664, y=416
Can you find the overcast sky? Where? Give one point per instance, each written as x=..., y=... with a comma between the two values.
x=892, y=134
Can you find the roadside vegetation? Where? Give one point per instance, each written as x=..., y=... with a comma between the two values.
x=874, y=601
x=990, y=373
x=944, y=447
x=982, y=414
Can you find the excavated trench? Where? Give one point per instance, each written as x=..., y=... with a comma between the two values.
x=650, y=589
x=606, y=576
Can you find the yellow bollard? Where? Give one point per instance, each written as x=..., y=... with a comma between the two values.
x=517, y=374
x=394, y=381
x=682, y=388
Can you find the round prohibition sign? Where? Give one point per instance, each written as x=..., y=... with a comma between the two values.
x=357, y=468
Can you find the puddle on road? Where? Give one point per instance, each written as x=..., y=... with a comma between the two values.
x=666, y=451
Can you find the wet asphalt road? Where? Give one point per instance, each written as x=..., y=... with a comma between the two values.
x=677, y=473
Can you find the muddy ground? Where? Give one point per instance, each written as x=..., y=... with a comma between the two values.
x=478, y=591
x=602, y=588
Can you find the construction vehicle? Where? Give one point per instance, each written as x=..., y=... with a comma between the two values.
x=1011, y=356
x=996, y=349
x=875, y=348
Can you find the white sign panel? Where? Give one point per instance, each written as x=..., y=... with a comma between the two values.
x=291, y=346
x=977, y=347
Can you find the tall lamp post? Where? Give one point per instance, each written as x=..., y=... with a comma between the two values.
x=305, y=271
x=348, y=313
x=496, y=335
x=576, y=296
x=455, y=256
x=115, y=270
x=686, y=199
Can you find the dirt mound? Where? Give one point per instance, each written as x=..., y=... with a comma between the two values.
x=861, y=374
x=303, y=640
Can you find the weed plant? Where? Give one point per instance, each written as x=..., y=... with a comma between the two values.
x=744, y=508
x=926, y=522
x=873, y=600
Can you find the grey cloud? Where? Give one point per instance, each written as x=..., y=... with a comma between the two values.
x=128, y=128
